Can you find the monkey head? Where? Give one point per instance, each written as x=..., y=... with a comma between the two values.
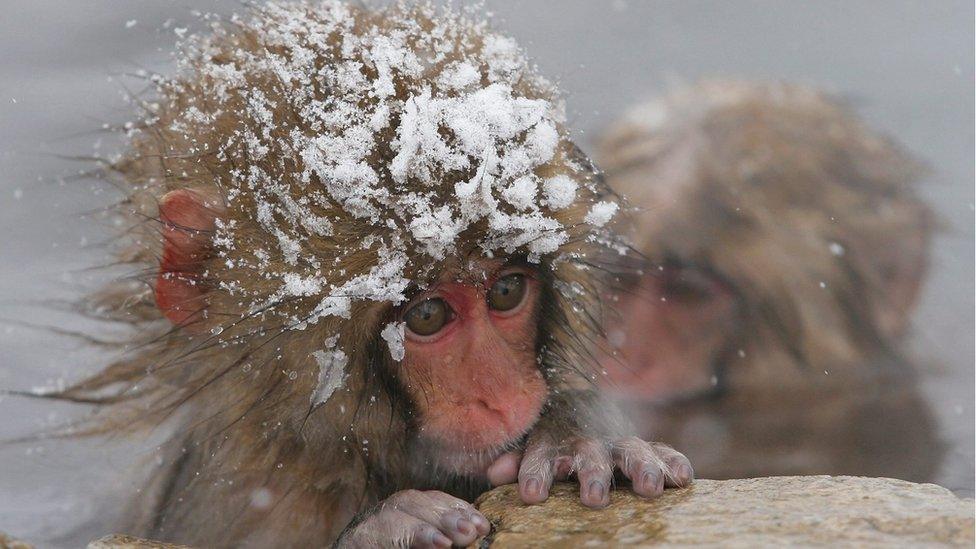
x=366, y=215
x=783, y=249
x=776, y=229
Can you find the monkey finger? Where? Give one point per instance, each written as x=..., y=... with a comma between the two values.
x=639, y=461
x=536, y=470
x=455, y=518
x=594, y=470
x=392, y=528
x=457, y=515
x=505, y=469
x=678, y=470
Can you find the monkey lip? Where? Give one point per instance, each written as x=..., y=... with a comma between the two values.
x=469, y=463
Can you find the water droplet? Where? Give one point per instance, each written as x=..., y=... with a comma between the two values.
x=261, y=498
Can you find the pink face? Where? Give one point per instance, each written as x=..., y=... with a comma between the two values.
x=671, y=329
x=470, y=361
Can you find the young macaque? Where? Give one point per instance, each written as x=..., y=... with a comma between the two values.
x=373, y=275
x=784, y=250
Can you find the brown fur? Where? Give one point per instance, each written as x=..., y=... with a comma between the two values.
x=236, y=383
x=757, y=185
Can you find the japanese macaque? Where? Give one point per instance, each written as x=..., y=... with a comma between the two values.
x=371, y=266
x=783, y=252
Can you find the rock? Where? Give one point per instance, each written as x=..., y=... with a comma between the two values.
x=774, y=511
x=117, y=541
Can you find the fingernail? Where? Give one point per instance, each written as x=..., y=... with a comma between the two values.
x=464, y=526
x=648, y=481
x=440, y=540
x=685, y=473
x=598, y=491
x=533, y=487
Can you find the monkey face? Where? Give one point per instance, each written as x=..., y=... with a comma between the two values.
x=470, y=362
x=469, y=367
x=670, y=333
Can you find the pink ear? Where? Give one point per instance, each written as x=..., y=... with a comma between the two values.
x=188, y=221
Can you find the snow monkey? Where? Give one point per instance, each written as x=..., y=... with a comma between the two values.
x=372, y=278
x=784, y=248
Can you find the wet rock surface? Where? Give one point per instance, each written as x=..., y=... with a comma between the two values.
x=773, y=511
x=117, y=541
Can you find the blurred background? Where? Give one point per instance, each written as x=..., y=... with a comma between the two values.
x=907, y=67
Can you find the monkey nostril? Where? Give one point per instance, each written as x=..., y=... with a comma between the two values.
x=482, y=403
x=508, y=416
x=487, y=410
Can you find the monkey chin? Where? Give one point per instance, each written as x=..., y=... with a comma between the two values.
x=471, y=463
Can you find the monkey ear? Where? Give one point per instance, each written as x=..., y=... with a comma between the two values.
x=188, y=217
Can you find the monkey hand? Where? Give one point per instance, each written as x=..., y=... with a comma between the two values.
x=650, y=466
x=414, y=518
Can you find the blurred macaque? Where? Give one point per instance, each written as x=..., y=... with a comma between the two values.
x=783, y=251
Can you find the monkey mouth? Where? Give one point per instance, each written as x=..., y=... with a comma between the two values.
x=472, y=463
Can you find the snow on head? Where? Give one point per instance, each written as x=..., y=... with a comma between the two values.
x=332, y=371
x=560, y=192
x=601, y=213
x=357, y=147
x=393, y=335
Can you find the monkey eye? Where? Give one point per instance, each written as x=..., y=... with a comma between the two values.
x=428, y=316
x=507, y=292
x=689, y=284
